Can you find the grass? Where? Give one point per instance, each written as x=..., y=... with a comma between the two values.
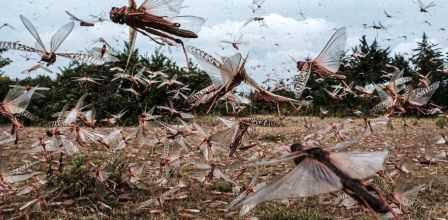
x=272, y=212
x=121, y=201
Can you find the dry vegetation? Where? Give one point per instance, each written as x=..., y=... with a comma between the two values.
x=81, y=196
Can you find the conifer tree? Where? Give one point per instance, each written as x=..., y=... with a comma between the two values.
x=428, y=59
x=367, y=63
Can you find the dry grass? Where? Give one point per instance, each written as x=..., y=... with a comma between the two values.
x=407, y=145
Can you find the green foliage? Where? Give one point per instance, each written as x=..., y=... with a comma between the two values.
x=441, y=122
x=221, y=186
x=4, y=80
x=274, y=138
x=108, y=97
x=428, y=59
x=366, y=63
x=3, y=61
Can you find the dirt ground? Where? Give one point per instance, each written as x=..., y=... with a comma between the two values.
x=408, y=140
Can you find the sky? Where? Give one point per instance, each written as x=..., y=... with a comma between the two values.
x=272, y=48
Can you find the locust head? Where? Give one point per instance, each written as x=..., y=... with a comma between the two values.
x=302, y=65
x=118, y=15
x=297, y=147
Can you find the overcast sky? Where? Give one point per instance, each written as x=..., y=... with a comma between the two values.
x=287, y=33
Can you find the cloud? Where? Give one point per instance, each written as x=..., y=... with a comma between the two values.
x=270, y=47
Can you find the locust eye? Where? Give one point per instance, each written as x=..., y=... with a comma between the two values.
x=296, y=147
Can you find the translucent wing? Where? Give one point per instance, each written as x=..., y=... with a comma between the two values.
x=302, y=80
x=69, y=147
x=17, y=46
x=13, y=93
x=352, y=140
x=186, y=115
x=420, y=4
x=382, y=94
x=30, y=27
x=238, y=137
x=231, y=66
x=282, y=159
x=224, y=137
x=402, y=81
x=309, y=178
x=331, y=55
x=72, y=116
x=430, y=5
x=219, y=174
x=163, y=8
x=20, y=178
x=226, y=122
x=114, y=138
x=88, y=136
x=73, y=17
x=247, y=22
x=132, y=4
x=6, y=138
x=191, y=23
x=407, y=193
x=83, y=58
x=17, y=100
x=259, y=89
x=421, y=96
x=210, y=65
x=397, y=75
x=242, y=100
x=61, y=35
x=359, y=165
x=90, y=115
x=107, y=57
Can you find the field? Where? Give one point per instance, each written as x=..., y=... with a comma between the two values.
x=171, y=192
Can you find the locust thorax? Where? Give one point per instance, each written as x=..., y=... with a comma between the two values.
x=316, y=152
x=302, y=65
x=2, y=108
x=103, y=50
x=119, y=15
x=48, y=58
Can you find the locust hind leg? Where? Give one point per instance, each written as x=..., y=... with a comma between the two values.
x=278, y=110
x=17, y=136
x=166, y=36
x=382, y=198
x=179, y=41
x=15, y=132
x=61, y=162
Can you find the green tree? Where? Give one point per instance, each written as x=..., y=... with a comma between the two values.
x=3, y=61
x=403, y=64
x=109, y=96
x=367, y=63
x=5, y=81
x=428, y=59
